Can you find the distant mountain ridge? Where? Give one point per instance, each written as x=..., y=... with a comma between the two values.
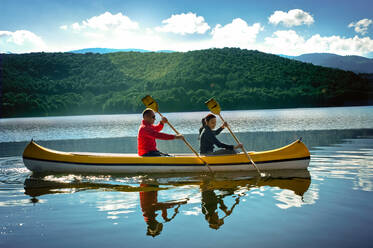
x=357, y=64
x=112, y=50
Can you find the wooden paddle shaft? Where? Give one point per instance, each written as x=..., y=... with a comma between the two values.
x=238, y=142
x=189, y=145
x=169, y=124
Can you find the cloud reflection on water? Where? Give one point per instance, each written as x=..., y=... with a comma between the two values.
x=117, y=205
x=351, y=160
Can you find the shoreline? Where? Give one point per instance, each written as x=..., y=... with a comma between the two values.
x=183, y=111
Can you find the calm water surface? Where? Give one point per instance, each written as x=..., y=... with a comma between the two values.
x=328, y=205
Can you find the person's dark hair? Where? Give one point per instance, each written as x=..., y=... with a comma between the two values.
x=205, y=120
x=147, y=112
x=154, y=228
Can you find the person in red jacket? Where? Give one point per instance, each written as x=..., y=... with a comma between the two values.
x=148, y=132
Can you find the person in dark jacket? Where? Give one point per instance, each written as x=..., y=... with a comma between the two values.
x=207, y=137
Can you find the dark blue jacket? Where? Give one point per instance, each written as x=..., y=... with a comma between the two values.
x=208, y=140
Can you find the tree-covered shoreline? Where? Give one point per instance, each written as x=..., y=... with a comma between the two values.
x=50, y=84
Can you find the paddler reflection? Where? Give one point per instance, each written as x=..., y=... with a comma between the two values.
x=150, y=205
x=218, y=198
x=212, y=204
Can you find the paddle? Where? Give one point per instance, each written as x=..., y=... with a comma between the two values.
x=149, y=102
x=215, y=109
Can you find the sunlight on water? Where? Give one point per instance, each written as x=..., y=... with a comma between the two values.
x=115, y=207
x=18, y=203
x=106, y=126
x=288, y=198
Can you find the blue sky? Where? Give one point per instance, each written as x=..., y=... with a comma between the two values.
x=289, y=27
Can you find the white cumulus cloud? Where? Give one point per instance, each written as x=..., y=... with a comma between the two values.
x=119, y=31
x=235, y=34
x=20, y=41
x=294, y=17
x=285, y=42
x=361, y=26
x=113, y=31
x=290, y=43
x=183, y=24
x=340, y=45
x=105, y=22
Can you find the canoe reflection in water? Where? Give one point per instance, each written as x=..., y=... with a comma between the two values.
x=149, y=205
x=213, y=194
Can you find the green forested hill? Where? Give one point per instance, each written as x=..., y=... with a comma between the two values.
x=40, y=84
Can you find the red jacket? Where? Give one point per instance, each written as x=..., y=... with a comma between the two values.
x=147, y=201
x=147, y=135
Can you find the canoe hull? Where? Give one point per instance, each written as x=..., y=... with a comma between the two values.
x=40, y=159
x=61, y=167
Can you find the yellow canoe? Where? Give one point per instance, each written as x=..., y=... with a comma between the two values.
x=40, y=159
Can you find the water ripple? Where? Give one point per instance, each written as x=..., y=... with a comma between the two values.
x=350, y=160
x=12, y=170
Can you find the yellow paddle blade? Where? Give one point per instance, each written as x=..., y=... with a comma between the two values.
x=149, y=102
x=213, y=106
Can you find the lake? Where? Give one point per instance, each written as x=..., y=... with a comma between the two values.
x=328, y=205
